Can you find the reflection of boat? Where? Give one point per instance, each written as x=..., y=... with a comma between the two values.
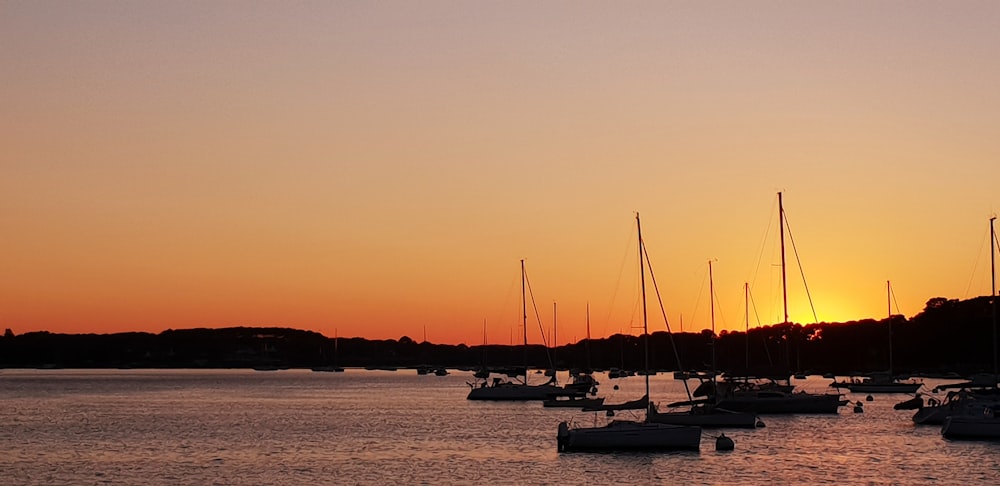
x=500, y=389
x=630, y=435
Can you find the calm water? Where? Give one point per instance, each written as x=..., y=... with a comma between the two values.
x=300, y=427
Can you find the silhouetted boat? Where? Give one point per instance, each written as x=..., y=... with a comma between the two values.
x=975, y=417
x=328, y=368
x=979, y=422
x=500, y=389
x=630, y=435
x=703, y=413
x=750, y=396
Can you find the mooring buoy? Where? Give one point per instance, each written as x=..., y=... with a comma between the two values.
x=723, y=443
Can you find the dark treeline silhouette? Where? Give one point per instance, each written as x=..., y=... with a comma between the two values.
x=947, y=336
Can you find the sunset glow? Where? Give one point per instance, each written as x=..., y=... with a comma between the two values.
x=380, y=168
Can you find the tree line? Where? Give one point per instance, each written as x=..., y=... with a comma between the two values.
x=946, y=336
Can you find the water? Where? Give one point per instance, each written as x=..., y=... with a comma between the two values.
x=377, y=427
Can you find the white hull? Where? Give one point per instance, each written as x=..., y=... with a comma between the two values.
x=623, y=436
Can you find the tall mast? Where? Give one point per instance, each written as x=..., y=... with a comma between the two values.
x=555, y=338
x=746, y=311
x=888, y=300
x=993, y=293
x=784, y=284
x=524, y=322
x=711, y=300
x=642, y=281
x=588, y=337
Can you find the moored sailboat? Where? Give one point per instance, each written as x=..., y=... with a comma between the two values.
x=979, y=418
x=703, y=413
x=750, y=396
x=630, y=434
x=503, y=390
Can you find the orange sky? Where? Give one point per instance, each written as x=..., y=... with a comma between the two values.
x=380, y=168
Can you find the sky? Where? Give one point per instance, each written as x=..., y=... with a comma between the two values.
x=380, y=169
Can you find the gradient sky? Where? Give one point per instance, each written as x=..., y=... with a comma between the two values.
x=380, y=168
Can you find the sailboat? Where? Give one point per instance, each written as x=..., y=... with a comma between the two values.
x=630, y=434
x=979, y=418
x=704, y=413
x=331, y=367
x=884, y=382
x=747, y=396
x=500, y=389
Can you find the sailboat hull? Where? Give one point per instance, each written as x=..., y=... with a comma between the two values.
x=628, y=436
x=717, y=419
x=515, y=392
x=883, y=387
x=971, y=427
x=764, y=403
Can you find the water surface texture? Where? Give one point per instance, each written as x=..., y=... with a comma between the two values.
x=374, y=427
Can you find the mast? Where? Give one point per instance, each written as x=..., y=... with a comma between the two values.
x=784, y=284
x=588, y=337
x=993, y=293
x=524, y=322
x=711, y=300
x=888, y=299
x=746, y=311
x=555, y=339
x=642, y=281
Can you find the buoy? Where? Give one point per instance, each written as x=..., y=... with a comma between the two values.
x=616, y=387
x=858, y=408
x=760, y=424
x=723, y=443
x=869, y=398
